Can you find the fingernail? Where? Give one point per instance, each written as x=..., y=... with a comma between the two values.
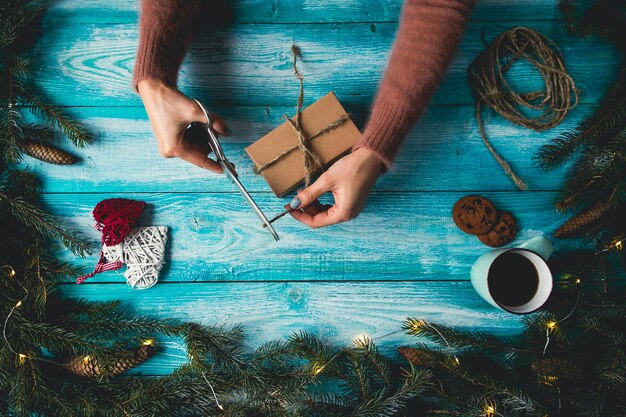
x=295, y=203
x=228, y=131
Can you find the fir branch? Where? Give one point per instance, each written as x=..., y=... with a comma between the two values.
x=415, y=382
x=15, y=18
x=55, y=338
x=44, y=224
x=366, y=348
x=55, y=403
x=118, y=325
x=22, y=182
x=568, y=10
x=81, y=309
x=607, y=121
x=455, y=339
x=10, y=133
x=328, y=404
x=218, y=344
x=73, y=130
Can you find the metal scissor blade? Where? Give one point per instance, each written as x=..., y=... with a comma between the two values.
x=228, y=170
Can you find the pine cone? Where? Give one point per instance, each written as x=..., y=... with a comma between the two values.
x=48, y=153
x=556, y=367
x=87, y=366
x=582, y=221
x=419, y=357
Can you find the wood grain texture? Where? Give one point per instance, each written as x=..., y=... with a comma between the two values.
x=400, y=236
x=296, y=11
x=91, y=64
x=443, y=152
x=336, y=312
x=402, y=257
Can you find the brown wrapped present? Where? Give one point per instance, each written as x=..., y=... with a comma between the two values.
x=289, y=154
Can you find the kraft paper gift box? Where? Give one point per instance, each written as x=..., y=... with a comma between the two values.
x=281, y=144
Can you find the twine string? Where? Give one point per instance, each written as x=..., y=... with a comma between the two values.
x=490, y=87
x=312, y=162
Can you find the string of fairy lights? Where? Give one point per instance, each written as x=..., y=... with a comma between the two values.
x=318, y=367
x=22, y=357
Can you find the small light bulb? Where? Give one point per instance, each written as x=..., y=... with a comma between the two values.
x=148, y=342
x=11, y=272
x=578, y=281
x=220, y=407
x=417, y=324
x=618, y=245
x=361, y=339
x=22, y=358
x=86, y=359
x=490, y=410
x=19, y=303
x=317, y=369
x=551, y=325
x=457, y=361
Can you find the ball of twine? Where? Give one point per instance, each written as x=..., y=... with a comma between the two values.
x=487, y=79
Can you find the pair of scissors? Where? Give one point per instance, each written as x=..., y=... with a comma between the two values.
x=221, y=159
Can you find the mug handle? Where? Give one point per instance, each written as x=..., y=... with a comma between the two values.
x=540, y=245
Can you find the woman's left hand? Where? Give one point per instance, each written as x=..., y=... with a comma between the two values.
x=350, y=179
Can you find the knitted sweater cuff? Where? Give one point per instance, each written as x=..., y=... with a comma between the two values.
x=385, y=130
x=150, y=63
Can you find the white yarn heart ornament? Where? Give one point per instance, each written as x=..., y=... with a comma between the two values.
x=143, y=252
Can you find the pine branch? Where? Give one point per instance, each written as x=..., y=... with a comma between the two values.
x=218, y=344
x=568, y=10
x=415, y=382
x=22, y=182
x=44, y=224
x=55, y=403
x=55, y=116
x=54, y=338
x=15, y=17
x=607, y=121
x=366, y=348
x=10, y=134
x=595, y=176
x=117, y=325
x=456, y=339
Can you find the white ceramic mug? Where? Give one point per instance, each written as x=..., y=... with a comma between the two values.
x=537, y=250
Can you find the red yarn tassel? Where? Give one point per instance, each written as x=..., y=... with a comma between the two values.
x=114, y=217
x=101, y=266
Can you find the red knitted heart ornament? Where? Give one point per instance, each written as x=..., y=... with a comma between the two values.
x=115, y=217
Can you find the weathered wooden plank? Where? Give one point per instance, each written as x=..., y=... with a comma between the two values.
x=296, y=11
x=336, y=312
x=443, y=152
x=400, y=236
x=250, y=65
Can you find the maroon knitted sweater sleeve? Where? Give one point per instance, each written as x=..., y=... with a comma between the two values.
x=164, y=35
x=427, y=38
x=429, y=33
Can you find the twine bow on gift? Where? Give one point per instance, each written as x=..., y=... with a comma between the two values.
x=312, y=162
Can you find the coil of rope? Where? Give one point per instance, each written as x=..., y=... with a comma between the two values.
x=549, y=106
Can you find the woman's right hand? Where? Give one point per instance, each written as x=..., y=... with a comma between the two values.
x=170, y=112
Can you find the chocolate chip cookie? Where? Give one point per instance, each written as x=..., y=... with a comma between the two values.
x=474, y=214
x=502, y=233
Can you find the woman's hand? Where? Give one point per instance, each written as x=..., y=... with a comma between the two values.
x=170, y=112
x=350, y=179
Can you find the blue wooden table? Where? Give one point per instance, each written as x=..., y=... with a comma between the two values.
x=402, y=257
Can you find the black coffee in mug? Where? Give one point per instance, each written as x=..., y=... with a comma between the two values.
x=513, y=279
